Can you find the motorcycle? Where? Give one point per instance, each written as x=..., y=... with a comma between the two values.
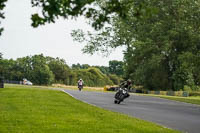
x=121, y=95
x=80, y=87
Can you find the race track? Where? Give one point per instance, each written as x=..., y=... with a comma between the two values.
x=177, y=115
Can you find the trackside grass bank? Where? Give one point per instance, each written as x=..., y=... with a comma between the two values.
x=25, y=109
x=191, y=99
x=76, y=88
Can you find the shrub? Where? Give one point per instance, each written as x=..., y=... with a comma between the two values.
x=178, y=93
x=194, y=93
x=163, y=92
x=187, y=88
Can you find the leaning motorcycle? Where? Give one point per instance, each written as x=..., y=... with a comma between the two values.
x=121, y=95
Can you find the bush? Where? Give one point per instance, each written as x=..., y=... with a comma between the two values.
x=115, y=79
x=163, y=92
x=93, y=77
x=194, y=93
x=178, y=93
x=187, y=88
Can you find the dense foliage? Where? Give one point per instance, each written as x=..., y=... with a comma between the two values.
x=115, y=67
x=162, y=45
x=166, y=50
x=97, y=11
x=43, y=70
x=93, y=77
x=114, y=71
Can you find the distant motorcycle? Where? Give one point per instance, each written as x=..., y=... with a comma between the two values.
x=121, y=95
x=80, y=87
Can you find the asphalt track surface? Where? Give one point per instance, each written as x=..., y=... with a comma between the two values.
x=171, y=114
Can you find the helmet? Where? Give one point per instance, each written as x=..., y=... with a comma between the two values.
x=129, y=81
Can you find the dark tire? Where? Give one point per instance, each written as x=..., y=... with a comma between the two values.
x=117, y=95
x=115, y=102
x=80, y=88
x=121, y=97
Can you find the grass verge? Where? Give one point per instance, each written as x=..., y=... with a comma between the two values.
x=191, y=99
x=76, y=87
x=25, y=109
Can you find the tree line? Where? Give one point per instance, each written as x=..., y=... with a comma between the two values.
x=161, y=36
x=43, y=70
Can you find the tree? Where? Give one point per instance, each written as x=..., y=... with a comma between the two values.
x=60, y=69
x=9, y=70
x=41, y=73
x=157, y=43
x=79, y=66
x=116, y=67
x=164, y=51
x=98, y=11
x=103, y=69
x=24, y=65
x=1, y=56
x=85, y=66
x=76, y=66
x=2, y=5
x=91, y=77
x=43, y=70
x=35, y=69
x=115, y=79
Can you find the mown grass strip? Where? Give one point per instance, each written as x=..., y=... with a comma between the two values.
x=34, y=110
x=191, y=99
x=85, y=88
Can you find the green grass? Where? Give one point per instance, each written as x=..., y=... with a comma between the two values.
x=25, y=109
x=85, y=88
x=191, y=99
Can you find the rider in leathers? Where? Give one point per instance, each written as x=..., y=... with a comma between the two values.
x=126, y=85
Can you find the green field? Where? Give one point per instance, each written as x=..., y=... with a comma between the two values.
x=25, y=109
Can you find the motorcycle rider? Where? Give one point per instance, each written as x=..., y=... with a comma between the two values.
x=126, y=85
x=122, y=93
x=80, y=84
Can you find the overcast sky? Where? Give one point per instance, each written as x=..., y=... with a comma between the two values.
x=19, y=39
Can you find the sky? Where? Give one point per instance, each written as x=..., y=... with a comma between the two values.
x=19, y=39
